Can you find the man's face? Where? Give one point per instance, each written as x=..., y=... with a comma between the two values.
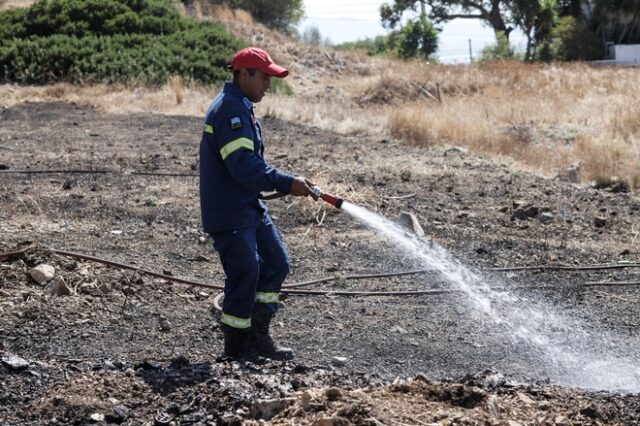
x=254, y=86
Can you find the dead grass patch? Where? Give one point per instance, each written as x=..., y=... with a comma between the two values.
x=15, y=4
x=177, y=84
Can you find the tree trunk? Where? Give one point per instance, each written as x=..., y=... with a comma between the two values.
x=496, y=20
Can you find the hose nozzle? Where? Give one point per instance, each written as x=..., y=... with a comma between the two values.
x=331, y=199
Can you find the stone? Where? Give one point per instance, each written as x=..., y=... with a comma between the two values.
x=43, y=273
x=455, y=150
x=513, y=423
x=119, y=414
x=600, y=222
x=525, y=399
x=573, y=173
x=339, y=361
x=410, y=222
x=57, y=287
x=333, y=394
x=524, y=212
x=96, y=417
x=15, y=362
x=545, y=217
x=165, y=325
x=562, y=421
x=592, y=411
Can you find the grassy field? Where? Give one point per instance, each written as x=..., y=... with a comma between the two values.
x=540, y=117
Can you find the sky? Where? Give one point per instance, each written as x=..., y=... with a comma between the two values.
x=350, y=20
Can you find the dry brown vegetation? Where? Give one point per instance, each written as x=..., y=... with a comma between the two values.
x=11, y=4
x=539, y=117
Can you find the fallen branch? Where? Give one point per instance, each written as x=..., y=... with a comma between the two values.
x=162, y=174
x=426, y=92
x=55, y=171
x=134, y=268
x=611, y=283
x=291, y=288
x=82, y=171
x=564, y=268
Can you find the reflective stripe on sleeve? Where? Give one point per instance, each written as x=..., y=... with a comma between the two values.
x=235, y=322
x=208, y=128
x=235, y=145
x=263, y=297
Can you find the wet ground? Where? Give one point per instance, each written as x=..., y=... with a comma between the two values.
x=125, y=346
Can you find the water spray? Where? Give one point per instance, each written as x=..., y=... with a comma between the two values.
x=331, y=199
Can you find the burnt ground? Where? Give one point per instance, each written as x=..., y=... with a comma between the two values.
x=124, y=346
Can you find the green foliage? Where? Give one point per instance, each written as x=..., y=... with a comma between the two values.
x=571, y=40
x=373, y=46
x=417, y=39
x=125, y=41
x=282, y=15
x=501, y=50
x=535, y=19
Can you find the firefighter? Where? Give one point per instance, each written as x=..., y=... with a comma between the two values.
x=233, y=174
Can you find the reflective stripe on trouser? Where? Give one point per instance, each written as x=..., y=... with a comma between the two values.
x=255, y=263
x=264, y=297
x=235, y=322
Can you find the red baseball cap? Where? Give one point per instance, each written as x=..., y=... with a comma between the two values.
x=254, y=57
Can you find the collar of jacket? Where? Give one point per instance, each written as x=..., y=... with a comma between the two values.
x=232, y=89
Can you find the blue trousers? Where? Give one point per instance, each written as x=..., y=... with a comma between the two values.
x=255, y=263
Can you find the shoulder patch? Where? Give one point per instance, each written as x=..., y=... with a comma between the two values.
x=235, y=123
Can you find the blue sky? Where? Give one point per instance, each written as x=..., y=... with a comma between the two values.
x=349, y=20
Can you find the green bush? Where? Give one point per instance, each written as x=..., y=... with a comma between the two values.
x=417, y=39
x=124, y=41
x=501, y=50
x=373, y=46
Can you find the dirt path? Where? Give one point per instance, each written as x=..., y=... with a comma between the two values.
x=125, y=340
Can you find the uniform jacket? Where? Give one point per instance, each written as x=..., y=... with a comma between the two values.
x=233, y=171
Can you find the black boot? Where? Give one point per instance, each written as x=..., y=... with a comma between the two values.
x=261, y=341
x=237, y=347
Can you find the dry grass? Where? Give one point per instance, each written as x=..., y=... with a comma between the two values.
x=543, y=116
x=14, y=4
x=177, y=84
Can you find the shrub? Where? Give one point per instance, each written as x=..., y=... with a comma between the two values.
x=501, y=50
x=373, y=46
x=125, y=41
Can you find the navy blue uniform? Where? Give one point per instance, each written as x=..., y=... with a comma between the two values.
x=233, y=172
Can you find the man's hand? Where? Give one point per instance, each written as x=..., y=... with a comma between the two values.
x=302, y=187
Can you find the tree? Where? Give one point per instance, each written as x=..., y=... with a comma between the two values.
x=417, y=39
x=497, y=13
x=571, y=40
x=617, y=20
x=536, y=18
